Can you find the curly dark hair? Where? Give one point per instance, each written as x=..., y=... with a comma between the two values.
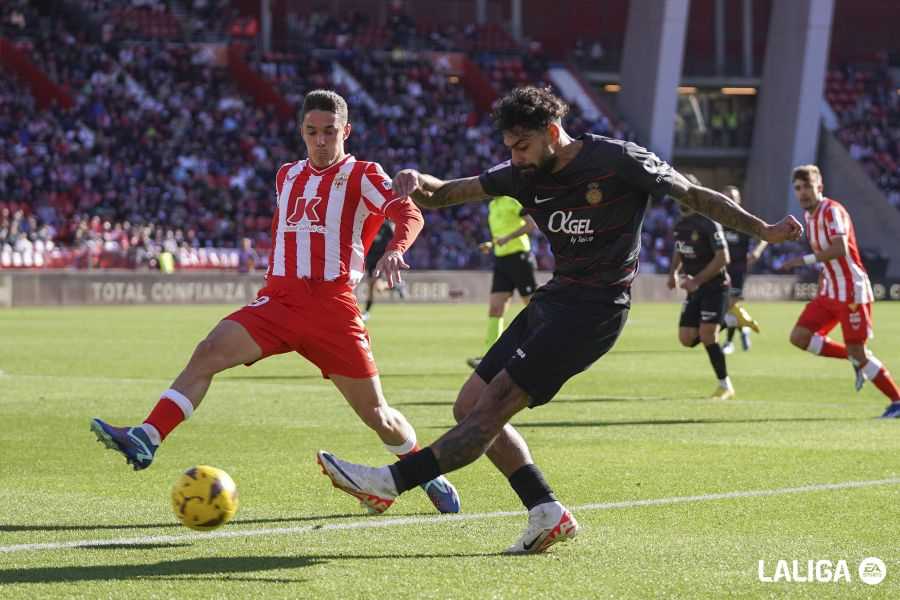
x=530, y=108
x=327, y=100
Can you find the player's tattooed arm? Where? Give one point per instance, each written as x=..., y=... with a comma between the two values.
x=717, y=207
x=430, y=192
x=720, y=208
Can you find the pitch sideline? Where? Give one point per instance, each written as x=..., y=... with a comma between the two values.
x=437, y=519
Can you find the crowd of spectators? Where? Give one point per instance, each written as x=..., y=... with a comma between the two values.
x=867, y=105
x=161, y=153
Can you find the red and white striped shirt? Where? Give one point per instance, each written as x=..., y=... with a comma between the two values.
x=325, y=220
x=843, y=279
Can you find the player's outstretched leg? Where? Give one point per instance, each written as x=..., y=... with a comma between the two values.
x=131, y=442
x=367, y=399
x=458, y=447
x=373, y=487
x=227, y=345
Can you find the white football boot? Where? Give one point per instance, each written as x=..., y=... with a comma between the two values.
x=548, y=524
x=373, y=487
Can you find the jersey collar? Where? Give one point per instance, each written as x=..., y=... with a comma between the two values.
x=336, y=165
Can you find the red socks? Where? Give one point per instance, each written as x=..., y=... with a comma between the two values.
x=172, y=409
x=881, y=377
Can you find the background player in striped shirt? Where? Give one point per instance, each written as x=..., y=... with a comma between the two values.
x=845, y=294
x=329, y=208
x=514, y=265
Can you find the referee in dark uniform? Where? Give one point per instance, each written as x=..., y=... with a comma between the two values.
x=698, y=266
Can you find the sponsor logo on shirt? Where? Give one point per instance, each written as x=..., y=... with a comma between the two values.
x=302, y=215
x=563, y=221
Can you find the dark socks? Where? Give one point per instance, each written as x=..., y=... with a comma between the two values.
x=415, y=469
x=530, y=485
x=368, y=304
x=717, y=359
x=731, y=333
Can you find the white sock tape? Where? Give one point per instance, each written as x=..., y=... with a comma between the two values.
x=815, y=344
x=404, y=448
x=181, y=400
x=872, y=368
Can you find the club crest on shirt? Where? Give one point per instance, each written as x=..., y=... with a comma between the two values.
x=594, y=195
x=340, y=180
x=695, y=236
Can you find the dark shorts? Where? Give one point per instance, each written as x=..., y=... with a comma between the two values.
x=514, y=272
x=737, y=282
x=706, y=305
x=550, y=341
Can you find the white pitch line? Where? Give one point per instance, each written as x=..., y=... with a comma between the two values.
x=439, y=519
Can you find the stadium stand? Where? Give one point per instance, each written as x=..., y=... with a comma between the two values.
x=865, y=99
x=163, y=152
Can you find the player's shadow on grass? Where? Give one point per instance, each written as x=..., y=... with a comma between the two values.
x=172, y=568
x=560, y=400
x=681, y=422
x=564, y=400
x=219, y=567
x=318, y=376
x=168, y=524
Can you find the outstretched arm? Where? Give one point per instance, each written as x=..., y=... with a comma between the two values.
x=720, y=208
x=430, y=192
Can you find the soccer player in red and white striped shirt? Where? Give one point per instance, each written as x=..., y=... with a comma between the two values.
x=845, y=293
x=328, y=209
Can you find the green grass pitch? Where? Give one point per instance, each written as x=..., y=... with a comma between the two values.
x=637, y=426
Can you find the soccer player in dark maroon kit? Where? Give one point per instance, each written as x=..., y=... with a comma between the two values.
x=588, y=196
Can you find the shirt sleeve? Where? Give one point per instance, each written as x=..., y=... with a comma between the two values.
x=646, y=171
x=835, y=221
x=408, y=222
x=500, y=180
x=376, y=189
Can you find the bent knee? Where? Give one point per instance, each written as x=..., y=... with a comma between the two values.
x=468, y=397
x=800, y=338
x=688, y=340
x=708, y=339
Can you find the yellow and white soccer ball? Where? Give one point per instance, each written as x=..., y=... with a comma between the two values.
x=204, y=498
